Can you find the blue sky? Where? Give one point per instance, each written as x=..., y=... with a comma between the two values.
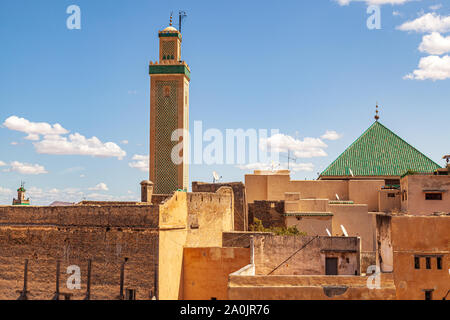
x=303, y=67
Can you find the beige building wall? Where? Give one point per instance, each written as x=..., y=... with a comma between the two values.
x=421, y=236
x=365, y=192
x=414, y=189
x=271, y=252
x=357, y=221
x=206, y=271
x=189, y=220
x=389, y=200
x=312, y=225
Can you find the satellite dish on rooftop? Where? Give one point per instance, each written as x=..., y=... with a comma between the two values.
x=344, y=231
x=351, y=172
x=328, y=232
x=216, y=177
x=337, y=197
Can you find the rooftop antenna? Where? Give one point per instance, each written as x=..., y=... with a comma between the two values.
x=377, y=117
x=216, y=177
x=351, y=172
x=181, y=16
x=337, y=197
x=289, y=158
x=328, y=232
x=344, y=231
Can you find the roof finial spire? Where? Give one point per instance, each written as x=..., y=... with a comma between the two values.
x=377, y=117
x=171, y=15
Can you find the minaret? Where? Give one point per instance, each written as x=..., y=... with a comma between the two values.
x=21, y=201
x=169, y=111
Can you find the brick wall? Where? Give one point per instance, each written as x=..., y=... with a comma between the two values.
x=74, y=234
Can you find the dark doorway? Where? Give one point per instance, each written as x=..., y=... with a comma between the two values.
x=331, y=266
x=428, y=294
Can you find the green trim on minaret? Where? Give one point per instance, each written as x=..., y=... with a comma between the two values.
x=170, y=69
x=379, y=152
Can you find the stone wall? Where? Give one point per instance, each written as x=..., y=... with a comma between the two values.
x=241, y=221
x=107, y=235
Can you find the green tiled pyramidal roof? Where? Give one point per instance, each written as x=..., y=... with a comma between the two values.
x=379, y=152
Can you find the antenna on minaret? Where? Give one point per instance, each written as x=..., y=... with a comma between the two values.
x=377, y=117
x=181, y=16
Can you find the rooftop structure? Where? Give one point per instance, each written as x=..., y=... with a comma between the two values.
x=378, y=152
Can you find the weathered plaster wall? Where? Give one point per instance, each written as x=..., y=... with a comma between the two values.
x=240, y=200
x=415, y=185
x=210, y=214
x=421, y=236
x=357, y=221
x=206, y=271
x=389, y=200
x=312, y=225
x=190, y=220
x=74, y=234
x=365, y=192
x=272, y=250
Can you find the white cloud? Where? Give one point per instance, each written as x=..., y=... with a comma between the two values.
x=396, y=13
x=436, y=7
x=40, y=196
x=100, y=187
x=375, y=2
x=295, y=167
x=2, y=164
x=5, y=191
x=430, y=22
x=26, y=168
x=331, y=135
x=33, y=129
x=435, y=44
x=124, y=142
x=431, y=67
x=140, y=162
x=54, y=143
x=107, y=197
x=306, y=148
x=14, y=143
x=77, y=144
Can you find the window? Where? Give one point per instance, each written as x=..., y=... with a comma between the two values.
x=439, y=263
x=428, y=262
x=428, y=294
x=392, y=182
x=391, y=195
x=416, y=263
x=433, y=196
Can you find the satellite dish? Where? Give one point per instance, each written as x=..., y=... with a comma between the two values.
x=328, y=231
x=216, y=177
x=344, y=231
x=274, y=166
x=337, y=197
x=351, y=172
